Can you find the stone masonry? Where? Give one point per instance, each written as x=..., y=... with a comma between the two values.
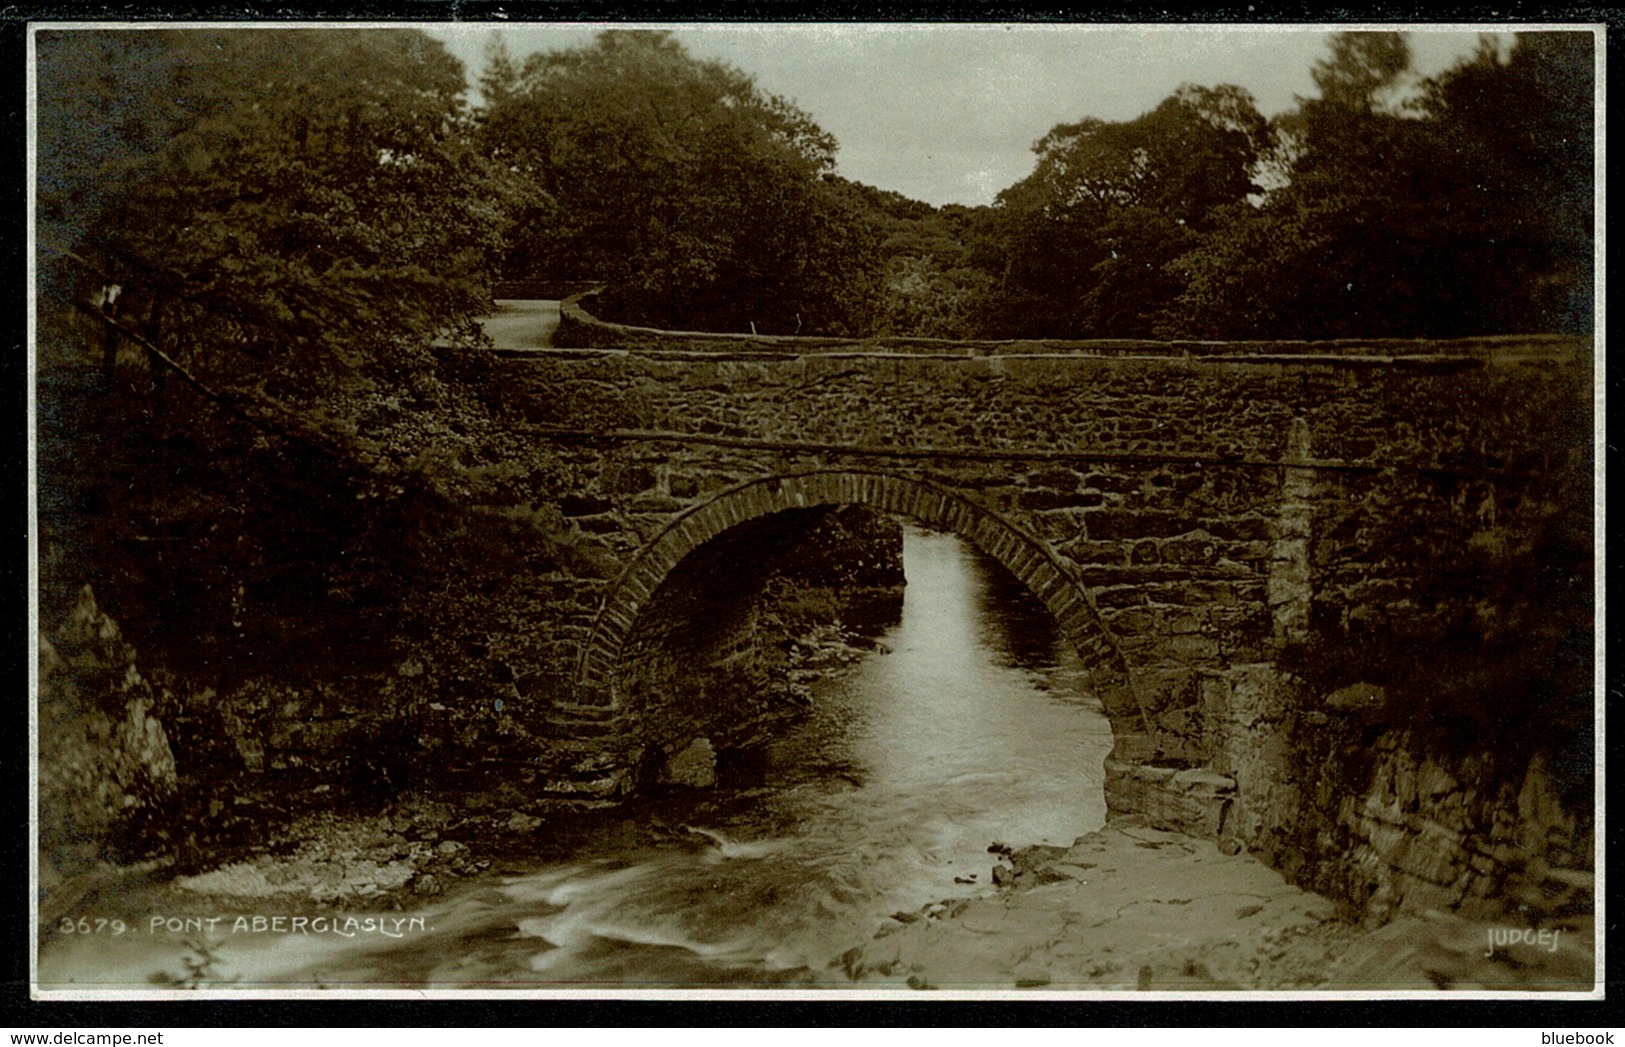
x=1190, y=513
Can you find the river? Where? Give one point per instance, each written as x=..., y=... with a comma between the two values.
x=967, y=723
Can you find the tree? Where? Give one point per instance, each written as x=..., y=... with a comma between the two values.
x=1329, y=252
x=293, y=216
x=1464, y=210
x=696, y=197
x=1362, y=71
x=929, y=285
x=282, y=208
x=1089, y=233
x=1516, y=131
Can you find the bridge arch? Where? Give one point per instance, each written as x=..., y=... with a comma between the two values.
x=1029, y=560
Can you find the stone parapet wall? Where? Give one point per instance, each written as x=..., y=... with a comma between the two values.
x=580, y=329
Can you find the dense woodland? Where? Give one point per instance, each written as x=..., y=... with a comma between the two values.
x=336, y=197
x=1457, y=206
x=277, y=424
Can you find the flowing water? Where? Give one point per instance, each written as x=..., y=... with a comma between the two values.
x=968, y=723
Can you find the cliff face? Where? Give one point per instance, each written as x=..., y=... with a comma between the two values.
x=105, y=762
x=1431, y=831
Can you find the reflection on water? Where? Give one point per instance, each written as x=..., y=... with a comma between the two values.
x=968, y=723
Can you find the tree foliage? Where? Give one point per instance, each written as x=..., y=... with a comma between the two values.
x=1362, y=71
x=279, y=207
x=933, y=283
x=697, y=198
x=1088, y=235
x=1465, y=210
x=283, y=207
x=293, y=216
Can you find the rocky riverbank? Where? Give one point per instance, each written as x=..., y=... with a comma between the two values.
x=417, y=848
x=1128, y=907
x=1131, y=907
x=318, y=853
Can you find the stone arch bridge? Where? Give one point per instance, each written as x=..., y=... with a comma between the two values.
x=1197, y=517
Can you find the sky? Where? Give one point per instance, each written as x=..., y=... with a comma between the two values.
x=949, y=113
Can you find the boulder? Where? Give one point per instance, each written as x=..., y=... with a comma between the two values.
x=522, y=822
x=695, y=766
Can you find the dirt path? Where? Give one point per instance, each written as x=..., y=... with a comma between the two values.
x=1130, y=907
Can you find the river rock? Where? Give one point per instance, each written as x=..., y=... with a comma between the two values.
x=522, y=822
x=695, y=766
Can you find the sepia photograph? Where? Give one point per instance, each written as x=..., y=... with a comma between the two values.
x=815, y=510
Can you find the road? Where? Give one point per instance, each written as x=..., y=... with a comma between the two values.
x=522, y=324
